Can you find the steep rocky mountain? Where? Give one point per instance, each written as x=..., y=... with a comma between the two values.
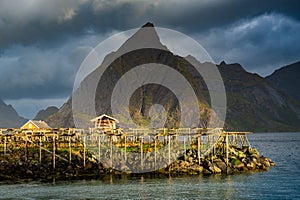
x=44, y=114
x=9, y=118
x=63, y=117
x=287, y=79
x=143, y=98
x=253, y=104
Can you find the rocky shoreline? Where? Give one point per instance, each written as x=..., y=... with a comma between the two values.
x=239, y=160
x=245, y=159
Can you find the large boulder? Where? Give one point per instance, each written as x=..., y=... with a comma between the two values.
x=215, y=169
x=220, y=164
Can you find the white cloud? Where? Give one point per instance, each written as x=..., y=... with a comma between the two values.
x=25, y=11
x=67, y=15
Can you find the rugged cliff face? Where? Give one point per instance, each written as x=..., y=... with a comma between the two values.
x=287, y=79
x=63, y=117
x=44, y=114
x=253, y=103
x=101, y=85
x=9, y=118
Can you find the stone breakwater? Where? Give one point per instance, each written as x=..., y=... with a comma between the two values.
x=13, y=166
x=239, y=160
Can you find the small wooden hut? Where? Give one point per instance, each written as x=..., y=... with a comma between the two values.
x=35, y=125
x=105, y=122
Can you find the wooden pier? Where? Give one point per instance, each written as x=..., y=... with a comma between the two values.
x=120, y=148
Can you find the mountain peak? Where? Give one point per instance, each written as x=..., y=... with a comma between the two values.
x=44, y=114
x=233, y=66
x=223, y=63
x=287, y=79
x=9, y=118
x=148, y=24
x=145, y=37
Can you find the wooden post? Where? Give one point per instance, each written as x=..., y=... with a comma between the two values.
x=199, y=150
x=207, y=142
x=84, y=146
x=25, y=153
x=4, y=145
x=53, y=153
x=165, y=136
x=169, y=150
x=70, y=150
x=227, y=148
x=99, y=148
x=40, y=150
x=155, y=151
x=111, y=153
x=142, y=148
x=223, y=146
x=125, y=150
x=213, y=150
x=184, y=147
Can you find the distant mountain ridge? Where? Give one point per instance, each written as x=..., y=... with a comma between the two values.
x=256, y=104
x=287, y=79
x=9, y=118
x=44, y=114
x=253, y=102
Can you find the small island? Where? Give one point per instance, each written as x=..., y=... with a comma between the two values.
x=38, y=152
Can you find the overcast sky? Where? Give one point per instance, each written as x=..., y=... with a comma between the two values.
x=42, y=42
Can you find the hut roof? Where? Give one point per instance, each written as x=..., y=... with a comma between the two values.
x=103, y=117
x=38, y=123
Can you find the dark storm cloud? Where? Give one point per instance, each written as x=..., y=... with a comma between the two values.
x=259, y=44
x=26, y=22
x=203, y=15
x=42, y=42
x=55, y=20
x=29, y=72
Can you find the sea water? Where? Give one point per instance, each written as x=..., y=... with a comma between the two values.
x=280, y=182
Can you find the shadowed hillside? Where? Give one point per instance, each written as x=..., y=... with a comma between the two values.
x=253, y=103
x=9, y=118
x=44, y=114
x=287, y=79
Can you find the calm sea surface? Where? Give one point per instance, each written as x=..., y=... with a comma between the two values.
x=280, y=182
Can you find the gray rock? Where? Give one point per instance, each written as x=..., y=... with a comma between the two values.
x=215, y=169
x=190, y=159
x=251, y=165
x=196, y=168
x=222, y=165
